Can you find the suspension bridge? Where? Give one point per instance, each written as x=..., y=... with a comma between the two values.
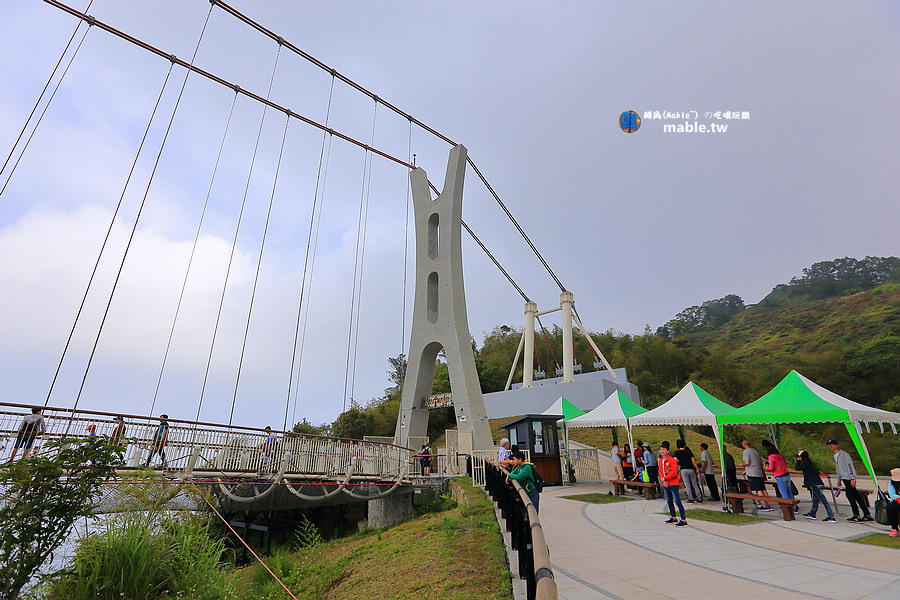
x=217, y=347
x=210, y=328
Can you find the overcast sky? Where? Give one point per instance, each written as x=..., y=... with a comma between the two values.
x=638, y=226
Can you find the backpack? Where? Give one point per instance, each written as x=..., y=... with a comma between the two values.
x=538, y=480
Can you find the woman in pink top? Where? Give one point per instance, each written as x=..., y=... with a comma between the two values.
x=779, y=469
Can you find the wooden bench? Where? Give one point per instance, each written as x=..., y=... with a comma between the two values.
x=787, y=504
x=649, y=488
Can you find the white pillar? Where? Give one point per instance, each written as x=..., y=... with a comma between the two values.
x=528, y=361
x=566, y=300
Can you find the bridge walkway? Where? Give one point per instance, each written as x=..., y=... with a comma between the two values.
x=244, y=462
x=624, y=550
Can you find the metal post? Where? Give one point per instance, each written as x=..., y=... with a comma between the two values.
x=528, y=336
x=566, y=300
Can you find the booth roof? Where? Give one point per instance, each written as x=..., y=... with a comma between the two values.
x=612, y=412
x=692, y=405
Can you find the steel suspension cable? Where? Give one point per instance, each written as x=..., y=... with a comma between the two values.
x=362, y=261
x=41, y=96
x=134, y=227
x=262, y=247
x=359, y=256
x=406, y=247
x=187, y=271
x=215, y=78
x=323, y=159
x=237, y=230
x=106, y=237
x=257, y=26
x=287, y=111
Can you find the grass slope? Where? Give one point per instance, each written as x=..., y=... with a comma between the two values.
x=456, y=554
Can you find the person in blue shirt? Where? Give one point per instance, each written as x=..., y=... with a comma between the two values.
x=158, y=444
x=523, y=472
x=652, y=466
x=893, y=507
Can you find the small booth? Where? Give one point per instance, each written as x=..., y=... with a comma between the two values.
x=539, y=434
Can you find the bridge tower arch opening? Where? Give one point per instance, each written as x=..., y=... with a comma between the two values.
x=439, y=314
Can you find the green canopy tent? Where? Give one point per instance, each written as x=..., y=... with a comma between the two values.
x=564, y=407
x=796, y=399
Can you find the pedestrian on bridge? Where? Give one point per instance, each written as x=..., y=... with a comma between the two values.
x=425, y=457
x=158, y=444
x=31, y=427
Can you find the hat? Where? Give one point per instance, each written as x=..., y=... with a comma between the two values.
x=830, y=442
x=118, y=418
x=503, y=442
x=799, y=452
x=646, y=445
x=895, y=474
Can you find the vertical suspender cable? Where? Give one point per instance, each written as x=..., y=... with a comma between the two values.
x=187, y=271
x=310, y=242
x=362, y=259
x=106, y=238
x=357, y=267
x=406, y=246
x=40, y=97
x=134, y=227
x=262, y=246
x=237, y=230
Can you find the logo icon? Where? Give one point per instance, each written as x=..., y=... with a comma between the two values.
x=629, y=121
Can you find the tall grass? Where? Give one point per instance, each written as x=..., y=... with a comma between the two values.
x=147, y=556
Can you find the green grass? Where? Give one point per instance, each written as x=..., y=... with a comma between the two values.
x=450, y=555
x=879, y=539
x=719, y=516
x=597, y=498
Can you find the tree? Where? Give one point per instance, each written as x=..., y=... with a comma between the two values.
x=47, y=494
x=308, y=428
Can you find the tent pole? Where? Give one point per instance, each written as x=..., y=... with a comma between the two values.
x=719, y=431
x=860, y=444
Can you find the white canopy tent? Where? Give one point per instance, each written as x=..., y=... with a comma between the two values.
x=615, y=411
x=692, y=405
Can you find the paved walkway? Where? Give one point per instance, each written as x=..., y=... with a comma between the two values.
x=624, y=550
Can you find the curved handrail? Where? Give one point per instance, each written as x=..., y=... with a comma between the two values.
x=541, y=582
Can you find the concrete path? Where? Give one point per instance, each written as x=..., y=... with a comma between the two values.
x=624, y=550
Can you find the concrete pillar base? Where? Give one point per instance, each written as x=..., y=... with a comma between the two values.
x=386, y=512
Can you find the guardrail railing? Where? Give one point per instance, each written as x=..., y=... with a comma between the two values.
x=208, y=449
x=525, y=531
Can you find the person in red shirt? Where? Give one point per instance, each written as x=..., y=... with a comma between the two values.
x=669, y=477
x=779, y=469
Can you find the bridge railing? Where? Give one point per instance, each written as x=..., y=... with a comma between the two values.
x=526, y=533
x=213, y=449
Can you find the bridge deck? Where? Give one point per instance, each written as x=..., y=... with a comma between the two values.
x=244, y=462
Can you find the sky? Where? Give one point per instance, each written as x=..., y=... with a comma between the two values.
x=637, y=225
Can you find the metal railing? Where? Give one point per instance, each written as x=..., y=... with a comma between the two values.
x=525, y=530
x=197, y=449
x=586, y=463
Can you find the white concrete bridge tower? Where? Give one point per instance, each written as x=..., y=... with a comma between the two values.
x=439, y=314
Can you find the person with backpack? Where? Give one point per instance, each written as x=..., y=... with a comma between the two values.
x=526, y=475
x=893, y=507
x=669, y=476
